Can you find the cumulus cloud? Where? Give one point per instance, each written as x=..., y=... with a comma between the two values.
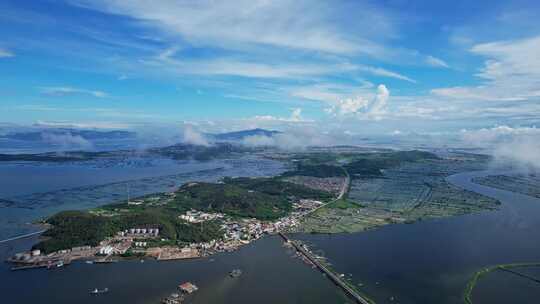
x=361, y=107
x=348, y=106
x=436, y=62
x=191, y=136
x=378, y=106
x=66, y=140
x=68, y=91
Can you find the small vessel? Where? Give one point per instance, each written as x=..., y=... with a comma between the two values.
x=98, y=291
x=57, y=264
x=235, y=273
x=89, y=262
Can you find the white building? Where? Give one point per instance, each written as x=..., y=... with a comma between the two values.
x=106, y=250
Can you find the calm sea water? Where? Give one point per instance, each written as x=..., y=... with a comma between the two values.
x=431, y=261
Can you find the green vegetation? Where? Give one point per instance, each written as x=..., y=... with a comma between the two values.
x=198, y=152
x=344, y=204
x=78, y=228
x=231, y=199
x=320, y=170
x=75, y=228
x=371, y=164
x=262, y=198
x=357, y=164
x=274, y=186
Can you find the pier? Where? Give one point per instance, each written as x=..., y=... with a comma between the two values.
x=331, y=275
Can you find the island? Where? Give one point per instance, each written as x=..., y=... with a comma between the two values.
x=333, y=190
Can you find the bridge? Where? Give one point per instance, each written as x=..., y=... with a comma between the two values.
x=22, y=236
x=329, y=274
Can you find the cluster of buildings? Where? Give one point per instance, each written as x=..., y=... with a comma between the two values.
x=328, y=184
x=139, y=232
x=236, y=233
x=195, y=216
x=36, y=258
x=115, y=245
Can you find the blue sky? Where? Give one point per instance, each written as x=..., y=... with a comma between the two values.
x=355, y=67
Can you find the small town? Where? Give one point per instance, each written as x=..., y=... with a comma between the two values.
x=237, y=232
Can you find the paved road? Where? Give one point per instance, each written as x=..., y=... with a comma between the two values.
x=343, y=191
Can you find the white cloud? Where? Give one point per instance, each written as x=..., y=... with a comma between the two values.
x=349, y=106
x=518, y=146
x=379, y=104
x=82, y=125
x=66, y=140
x=511, y=72
x=497, y=134
x=259, y=70
x=291, y=139
x=385, y=73
x=5, y=53
x=436, y=62
x=286, y=24
x=296, y=116
x=191, y=136
x=328, y=92
x=361, y=107
x=67, y=91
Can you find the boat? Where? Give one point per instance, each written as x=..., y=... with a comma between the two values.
x=57, y=264
x=89, y=262
x=235, y=273
x=98, y=291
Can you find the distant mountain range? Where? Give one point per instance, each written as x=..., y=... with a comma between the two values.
x=93, y=135
x=240, y=135
x=86, y=134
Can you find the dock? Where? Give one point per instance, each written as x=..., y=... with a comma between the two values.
x=48, y=265
x=329, y=274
